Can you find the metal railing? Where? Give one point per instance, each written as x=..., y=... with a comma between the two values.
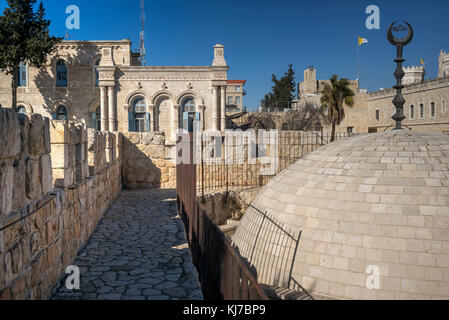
x=272, y=246
x=222, y=271
x=219, y=176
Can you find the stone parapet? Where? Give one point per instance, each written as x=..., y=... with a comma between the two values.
x=25, y=164
x=50, y=203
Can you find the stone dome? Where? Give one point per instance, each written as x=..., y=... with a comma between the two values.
x=378, y=200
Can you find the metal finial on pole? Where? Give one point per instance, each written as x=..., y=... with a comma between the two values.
x=399, y=100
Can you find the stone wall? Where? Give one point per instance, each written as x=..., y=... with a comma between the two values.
x=146, y=161
x=226, y=207
x=56, y=181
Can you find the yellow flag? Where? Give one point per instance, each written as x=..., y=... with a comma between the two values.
x=362, y=41
x=422, y=61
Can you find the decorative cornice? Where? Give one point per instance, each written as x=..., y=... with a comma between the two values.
x=165, y=76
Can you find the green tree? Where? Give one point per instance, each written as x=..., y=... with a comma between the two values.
x=24, y=37
x=283, y=91
x=334, y=97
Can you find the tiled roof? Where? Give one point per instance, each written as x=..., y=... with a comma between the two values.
x=236, y=81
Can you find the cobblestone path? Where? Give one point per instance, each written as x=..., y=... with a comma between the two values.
x=138, y=251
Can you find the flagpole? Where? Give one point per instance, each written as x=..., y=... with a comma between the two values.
x=358, y=60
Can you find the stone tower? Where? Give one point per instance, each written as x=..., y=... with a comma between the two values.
x=443, y=60
x=413, y=75
x=310, y=85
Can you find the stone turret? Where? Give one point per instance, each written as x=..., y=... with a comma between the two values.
x=310, y=85
x=310, y=80
x=443, y=61
x=414, y=74
x=219, y=60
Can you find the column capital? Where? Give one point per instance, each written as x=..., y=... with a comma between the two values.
x=106, y=83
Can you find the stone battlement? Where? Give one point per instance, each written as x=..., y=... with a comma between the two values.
x=56, y=181
x=414, y=69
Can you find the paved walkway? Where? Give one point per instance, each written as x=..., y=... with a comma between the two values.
x=138, y=251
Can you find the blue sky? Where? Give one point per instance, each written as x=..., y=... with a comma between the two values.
x=263, y=36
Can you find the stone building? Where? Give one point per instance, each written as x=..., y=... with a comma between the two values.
x=312, y=87
x=101, y=84
x=425, y=108
x=234, y=96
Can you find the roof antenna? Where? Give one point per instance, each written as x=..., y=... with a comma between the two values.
x=142, y=51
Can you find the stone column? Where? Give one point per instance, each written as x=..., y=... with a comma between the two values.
x=200, y=109
x=112, y=110
x=104, y=108
x=223, y=109
x=215, y=116
x=153, y=123
x=174, y=122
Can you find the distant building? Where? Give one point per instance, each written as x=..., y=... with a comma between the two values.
x=426, y=107
x=234, y=96
x=102, y=84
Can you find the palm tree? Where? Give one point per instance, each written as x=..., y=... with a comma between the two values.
x=334, y=97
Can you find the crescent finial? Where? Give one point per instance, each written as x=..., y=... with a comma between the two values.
x=400, y=42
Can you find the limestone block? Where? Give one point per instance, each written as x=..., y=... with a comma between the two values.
x=24, y=133
x=46, y=136
x=81, y=172
x=134, y=138
x=77, y=134
x=91, y=140
x=46, y=173
x=16, y=258
x=59, y=132
x=9, y=134
x=158, y=139
x=19, y=199
x=8, y=269
x=156, y=151
x=33, y=186
x=80, y=150
x=169, y=151
x=63, y=156
x=63, y=178
x=147, y=138
x=6, y=187
x=36, y=138
x=109, y=158
x=86, y=169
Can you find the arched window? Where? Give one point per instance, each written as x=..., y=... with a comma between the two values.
x=61, y=74
x=139, y=118
x=21, y=109
x=61, y=113
x=22, y=75
x=97, y=74
x=188, y=115
x=96, y=119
